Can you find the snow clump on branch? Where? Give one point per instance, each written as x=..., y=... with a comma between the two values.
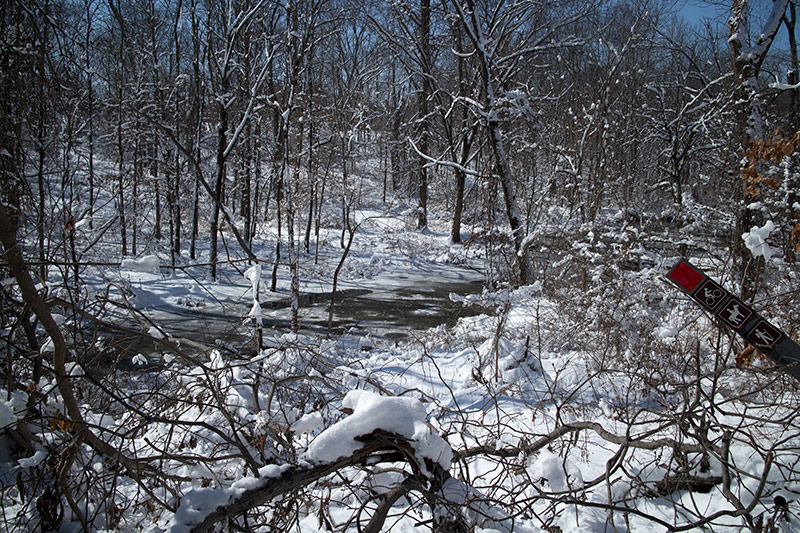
x=756, y=240
x=405, y=417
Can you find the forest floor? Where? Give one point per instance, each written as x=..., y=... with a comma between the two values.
x=495, y=369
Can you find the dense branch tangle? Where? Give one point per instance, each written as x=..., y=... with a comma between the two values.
x=577, y=140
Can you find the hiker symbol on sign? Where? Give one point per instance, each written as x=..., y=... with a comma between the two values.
x=764, y=335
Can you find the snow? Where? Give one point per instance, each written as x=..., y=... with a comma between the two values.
x=255, y=313
x=532, y=360
x=47, y=347
x=560, y=475
x=253, y=274
x=405, y=417
x=197, y=504
x=308, y=423
x=756, y=240
x=7, y=416
x=667, y=331
x=35, y=460
x=155, y=332
x=149, y=264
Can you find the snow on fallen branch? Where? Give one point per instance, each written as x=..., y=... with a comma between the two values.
x=405, y=417
x=379, y=429
x=201, y=509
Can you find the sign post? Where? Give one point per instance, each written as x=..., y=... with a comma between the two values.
x=737, y=315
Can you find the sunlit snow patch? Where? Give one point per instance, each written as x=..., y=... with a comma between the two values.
x=308, y=423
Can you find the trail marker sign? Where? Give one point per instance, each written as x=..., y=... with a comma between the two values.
x=764, y=335
x=709, y=294
x=737, y=315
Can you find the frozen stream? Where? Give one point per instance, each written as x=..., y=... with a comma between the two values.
x=386, y=308
x=413, y=303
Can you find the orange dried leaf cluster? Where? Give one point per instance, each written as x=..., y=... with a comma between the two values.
x=60, y=423
x=771, y=150
x=746, y=356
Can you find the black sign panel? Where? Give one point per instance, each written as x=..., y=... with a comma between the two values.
x=735, y=313
x=710, y=295
x=764, y=335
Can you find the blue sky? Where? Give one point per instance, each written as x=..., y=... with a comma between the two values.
x=697, y=10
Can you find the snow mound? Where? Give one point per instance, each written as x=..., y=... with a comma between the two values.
x=308, y=423
x=148, y=263
x=406, y=417
x=561, y=475
x=35, y=460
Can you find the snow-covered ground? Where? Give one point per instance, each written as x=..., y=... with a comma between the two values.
x=612, y=406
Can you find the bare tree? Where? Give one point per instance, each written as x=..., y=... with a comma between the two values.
x=747, y=60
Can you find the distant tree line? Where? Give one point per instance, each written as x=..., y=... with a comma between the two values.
x=158, y=122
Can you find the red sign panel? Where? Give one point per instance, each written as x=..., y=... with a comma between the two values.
x=686, y=276
x=735, y=313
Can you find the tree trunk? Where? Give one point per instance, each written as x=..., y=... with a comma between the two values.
x=175, y=205
x=278, y=203
x=245, y=208
x=294, y=259
x=90, y=112
x=458, y=208
x=747, y=61
x=793, y=76
x=157, y=191
x=222, y=127
x=466, y=140
x=121, y=179
x=40, y=141
x=310, y=163
x=423, y=95
x=198, y=108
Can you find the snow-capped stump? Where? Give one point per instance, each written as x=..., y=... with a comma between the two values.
x=404, y=417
